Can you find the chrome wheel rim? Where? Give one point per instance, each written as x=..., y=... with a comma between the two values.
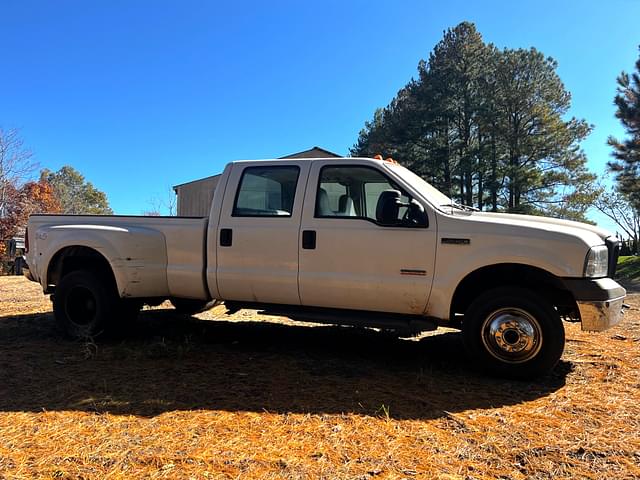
x=512, y=335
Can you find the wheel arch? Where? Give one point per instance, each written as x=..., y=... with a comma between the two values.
x=512, y=274
x=78, y=257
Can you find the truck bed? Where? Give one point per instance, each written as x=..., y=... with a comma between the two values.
x=150, y=256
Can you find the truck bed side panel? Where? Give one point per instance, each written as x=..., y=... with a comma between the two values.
x=149, y=256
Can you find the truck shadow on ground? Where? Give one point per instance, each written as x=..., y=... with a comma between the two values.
x=170, y=362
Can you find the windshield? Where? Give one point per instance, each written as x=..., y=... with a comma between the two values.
x=435, y=196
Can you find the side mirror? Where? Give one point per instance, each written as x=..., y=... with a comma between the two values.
x=388, y=211
x=416, y=216
x=388, y=207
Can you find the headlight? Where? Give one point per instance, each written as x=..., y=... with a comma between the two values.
x=596, y=264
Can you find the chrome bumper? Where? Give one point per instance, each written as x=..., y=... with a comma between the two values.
x=599, y=301
x=597, y=316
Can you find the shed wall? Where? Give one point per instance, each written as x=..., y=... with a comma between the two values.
x=194, y=199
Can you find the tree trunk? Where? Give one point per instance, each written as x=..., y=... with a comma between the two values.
x=447, y=160
x=494, y=173
x=469, y=186
x=480, y=191
x=512, y=181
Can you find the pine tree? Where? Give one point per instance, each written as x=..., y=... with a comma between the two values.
x=542, y=158
x=456, y=67
x=627, y=152
x=487, y=127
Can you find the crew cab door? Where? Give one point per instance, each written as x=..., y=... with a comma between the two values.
x=348, y=258
x=257, y=235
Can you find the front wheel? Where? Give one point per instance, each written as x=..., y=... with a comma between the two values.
x=513, y=332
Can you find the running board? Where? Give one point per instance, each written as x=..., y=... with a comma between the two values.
x=410, y=324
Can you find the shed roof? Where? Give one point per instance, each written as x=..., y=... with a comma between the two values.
x=313, y=152
x=175, y=187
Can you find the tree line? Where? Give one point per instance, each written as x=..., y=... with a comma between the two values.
x=63, y=191
x=624, y=206
x=487, y=126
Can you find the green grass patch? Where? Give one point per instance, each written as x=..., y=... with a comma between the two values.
x=629, y=267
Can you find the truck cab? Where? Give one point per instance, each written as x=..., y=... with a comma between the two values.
x=328, y=233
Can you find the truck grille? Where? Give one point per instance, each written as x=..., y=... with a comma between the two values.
x=613, y=246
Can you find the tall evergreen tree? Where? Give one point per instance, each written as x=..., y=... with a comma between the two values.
x=487, y=127
x=543, y=161
x=455, y=66
x=627, y=152
x=490, y=123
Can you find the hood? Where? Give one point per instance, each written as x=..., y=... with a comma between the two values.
x=557, y=246
x=547, y=223
x=530, y=226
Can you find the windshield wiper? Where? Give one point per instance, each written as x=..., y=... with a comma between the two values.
x=465, y=208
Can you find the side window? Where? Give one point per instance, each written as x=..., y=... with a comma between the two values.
x=352, y=191
x=266, y=192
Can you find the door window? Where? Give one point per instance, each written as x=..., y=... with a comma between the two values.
x=354, y=191
x=266, y=192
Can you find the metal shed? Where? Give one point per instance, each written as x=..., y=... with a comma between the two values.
x=194, y=198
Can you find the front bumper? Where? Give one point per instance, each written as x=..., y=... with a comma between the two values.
x=599, y=316
x=599, y=302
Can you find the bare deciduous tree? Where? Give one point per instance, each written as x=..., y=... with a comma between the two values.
x=172, y=203
x=151, y=213
x=16, y=165
x=617, y=206
x=158, y=204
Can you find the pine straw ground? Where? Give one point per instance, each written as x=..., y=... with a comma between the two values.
x=249, y=397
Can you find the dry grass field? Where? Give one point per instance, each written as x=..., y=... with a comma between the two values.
x=249, y=397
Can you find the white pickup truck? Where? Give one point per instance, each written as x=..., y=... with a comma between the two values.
x=350, y=241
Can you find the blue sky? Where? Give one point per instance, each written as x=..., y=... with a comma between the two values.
x=142, y=95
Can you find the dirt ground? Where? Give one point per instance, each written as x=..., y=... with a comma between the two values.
x=250, y=397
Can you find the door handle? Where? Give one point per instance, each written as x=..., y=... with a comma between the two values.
x=309, y=239
x=226, y=237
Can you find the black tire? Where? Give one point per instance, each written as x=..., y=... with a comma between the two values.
x=513, y=332
x=190, y=306
x=85, y=304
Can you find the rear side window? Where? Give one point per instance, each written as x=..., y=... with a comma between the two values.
x=266, y=192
